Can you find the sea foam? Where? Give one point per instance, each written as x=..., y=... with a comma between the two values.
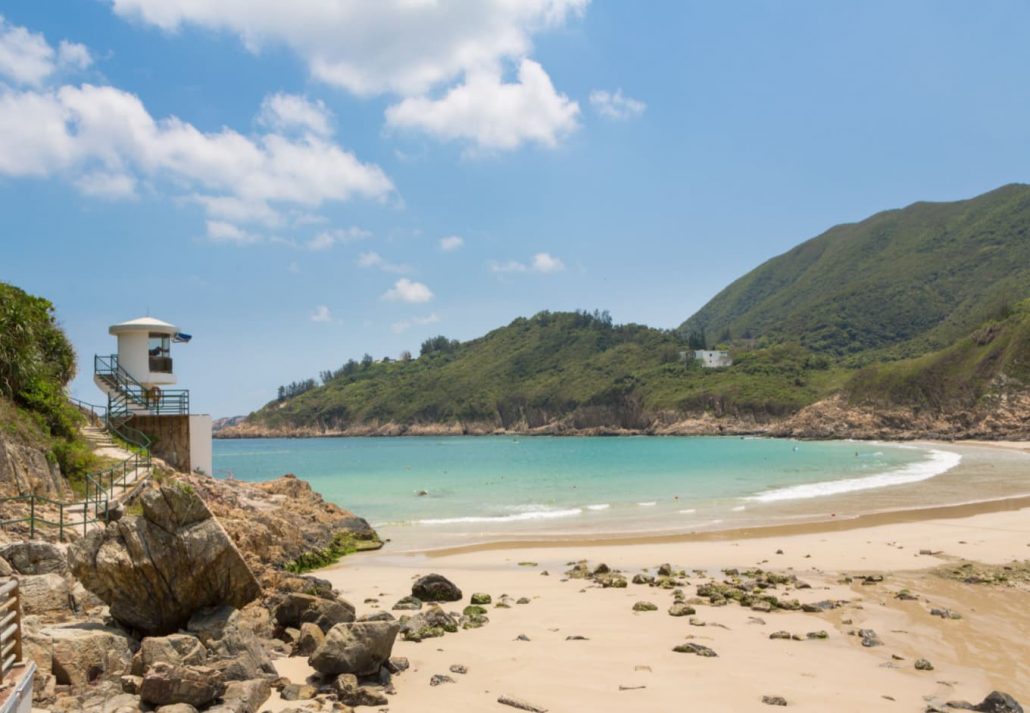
x=938, y=462
x=516, y=517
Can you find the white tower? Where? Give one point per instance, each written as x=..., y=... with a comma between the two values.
x=136, y=382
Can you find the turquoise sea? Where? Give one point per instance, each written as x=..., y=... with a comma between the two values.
x=452, y=490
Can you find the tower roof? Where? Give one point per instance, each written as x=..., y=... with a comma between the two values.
x=143, y=324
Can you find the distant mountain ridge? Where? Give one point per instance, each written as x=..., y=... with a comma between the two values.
x=912, y=323
x=923, y=275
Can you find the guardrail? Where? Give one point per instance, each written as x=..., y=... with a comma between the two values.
x=98, y=488
x=10, y=626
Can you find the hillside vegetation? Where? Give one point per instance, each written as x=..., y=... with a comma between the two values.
x=920, y=277
x=36, y=363
x=922, y=309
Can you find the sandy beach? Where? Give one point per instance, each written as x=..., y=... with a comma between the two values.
x=626, y=660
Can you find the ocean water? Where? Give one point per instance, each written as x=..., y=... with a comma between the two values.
x=424, y=491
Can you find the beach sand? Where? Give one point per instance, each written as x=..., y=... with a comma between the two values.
x=627, y=662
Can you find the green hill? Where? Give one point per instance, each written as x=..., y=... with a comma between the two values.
x=571, y=367
x=916, y=279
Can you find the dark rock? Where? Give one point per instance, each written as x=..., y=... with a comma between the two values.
x=439, y=678
x=360, y=648
x=481, y=598
x=645, y=606
x=435, y=588
x=296, y=608
x=774, y=700
x=692, y=648
x=459, y=668
x=923, y=665
x=998, y=702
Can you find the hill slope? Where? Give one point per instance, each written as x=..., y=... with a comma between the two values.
x=926, y=275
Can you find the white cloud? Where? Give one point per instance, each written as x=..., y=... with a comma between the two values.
x=405, y=47
x=340, y=236
x=374, y=259
x=321, y=314
x=283, y=112
x=616, y=106
x=27, y=58
x=221, y=232
x=77, y=131
x=406, y=324
x=492, y=114
x=545, y=262
x=451, y=243
x=106, y=185
x=541, y=262
x=405, y=290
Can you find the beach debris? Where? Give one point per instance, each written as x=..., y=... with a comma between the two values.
x=522, y=600
x=436, y=588
x=945, y=613
x=645, y=606
x=923, y=665
x=691, y=648
x=422, y=493
x=520, y=704
x=774, y=700
x=780, y=635
x=481, y=598
x=631, y=688
x=545, y=573
x=871, y=579
x=906, y=596
x=929, y=553
x=681, y=609
x=439, y=678
x=459, y=668
x=576, y=637
x=528, y=564
x=779, y=552
x=522, y=637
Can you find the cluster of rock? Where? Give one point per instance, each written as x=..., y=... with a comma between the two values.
x=432, y=621
x=161, y=611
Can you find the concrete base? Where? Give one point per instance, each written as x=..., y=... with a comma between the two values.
x=183, y=441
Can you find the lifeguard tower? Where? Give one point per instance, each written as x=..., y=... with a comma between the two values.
x=137, y=380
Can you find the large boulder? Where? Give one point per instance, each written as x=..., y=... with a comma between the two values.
x=156, y=570
x=184, y=649
x=296, y=608
x=46, y=595
x=360, y=648
x=233, y=649
x=86, y=653
x=166, y=684
x=243, y=697
x=435, y=588
x=34, y=557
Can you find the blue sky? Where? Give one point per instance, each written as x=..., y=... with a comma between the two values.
x=279, y=179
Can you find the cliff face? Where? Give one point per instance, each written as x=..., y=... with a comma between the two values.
x=24, y=463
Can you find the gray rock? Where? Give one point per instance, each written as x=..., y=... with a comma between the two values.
x=183, y=649
x=692, y=648
x=311, y=637
x=233, y=649
x=998, y=702
x=35, y=557
x=156, y=570
x=408, y=604
x=166, y=684
x=360, y=648
x=296, y=608
x=350, y=693
x=439, y=678
x=246, y=696
x=774, y=700
x=435, y=588
x=923, y=665
x=645, y=606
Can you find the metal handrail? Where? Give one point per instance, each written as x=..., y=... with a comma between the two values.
x=10, y=626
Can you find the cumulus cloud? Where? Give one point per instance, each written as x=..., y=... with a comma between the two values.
x=492, y=114
x=321, y=314
x=406, y=324
x=616, y=106
x=545, y=262
x=541, y=262
x=285, y=112
x=451, y=243
x=403, y=47
x=374, y=259
x=328, y=238
x=405, y=290
x=221, y=232
x=27, y=58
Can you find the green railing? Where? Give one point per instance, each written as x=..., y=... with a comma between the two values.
x=99, y=487
x=135, y=397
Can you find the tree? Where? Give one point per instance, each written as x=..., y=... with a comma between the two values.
x=405, y=355
x=696, y=339
x=282, y=393
x=366, y=361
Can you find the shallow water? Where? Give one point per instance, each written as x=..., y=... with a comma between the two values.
x=436, y=491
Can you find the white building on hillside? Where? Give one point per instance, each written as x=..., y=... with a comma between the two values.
x=713, y=359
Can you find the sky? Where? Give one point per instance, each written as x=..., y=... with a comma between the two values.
x=297, y=184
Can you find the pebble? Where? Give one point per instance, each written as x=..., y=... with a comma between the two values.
x=459, y=668
x=923, y=665
x=439, y=678
x=774, y=700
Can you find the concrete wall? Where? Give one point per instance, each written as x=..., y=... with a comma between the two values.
x=170, y=436
x=200, y=443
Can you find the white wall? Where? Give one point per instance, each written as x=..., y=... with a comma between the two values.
x=200, y=443
x=134, y=357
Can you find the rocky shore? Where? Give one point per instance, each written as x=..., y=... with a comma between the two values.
x=832, y=418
